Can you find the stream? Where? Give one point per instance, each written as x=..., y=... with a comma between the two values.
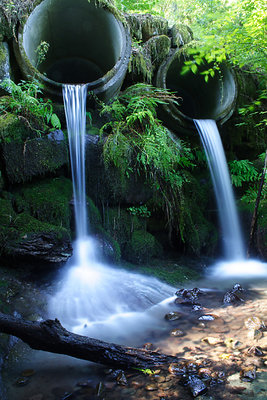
x=215, y=341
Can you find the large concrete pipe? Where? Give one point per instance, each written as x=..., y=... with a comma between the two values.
x=214, y=99
x=88, y=43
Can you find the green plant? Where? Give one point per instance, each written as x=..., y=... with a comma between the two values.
x=41, y=51
x=242, y=171
x=141, y=211
x=25, y=102
x=137, y=143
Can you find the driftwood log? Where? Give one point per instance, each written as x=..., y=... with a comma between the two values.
x=50, y=336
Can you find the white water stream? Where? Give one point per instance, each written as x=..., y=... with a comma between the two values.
x=93, y=298
x=235, y=263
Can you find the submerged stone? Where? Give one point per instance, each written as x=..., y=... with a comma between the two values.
x=196, y=386
x=248, y=373
x=173, y=316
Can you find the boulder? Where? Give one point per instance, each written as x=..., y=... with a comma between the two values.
x=180, y=35
x=34, y=157
x=144, y=26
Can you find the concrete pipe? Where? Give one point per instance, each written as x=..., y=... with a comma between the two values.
x=214, y=99
x=88, y=43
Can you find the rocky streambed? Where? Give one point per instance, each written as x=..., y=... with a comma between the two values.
x=218, y=336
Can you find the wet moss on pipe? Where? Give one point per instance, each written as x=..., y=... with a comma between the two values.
x=89, y=42
x=214, y=99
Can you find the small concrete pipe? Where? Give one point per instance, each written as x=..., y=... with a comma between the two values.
x=88, y=43
x=214, y=99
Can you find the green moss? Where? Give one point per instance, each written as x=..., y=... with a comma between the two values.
x=25, y=224
x=140, y=67
x=13, y=129
x=121, y=225
x=142, y=247
x=48, y=201
x=94, y=215
x=170, y=272
x=158, y=48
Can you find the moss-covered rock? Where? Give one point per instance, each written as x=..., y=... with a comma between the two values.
x=35, y=221
x=140, y=66
x=181, y=34
x=34, y=157
x=144, y=26
x=48, y=201
x=142, y=247
x=5, y=68
x=158, y=48
x=13, y=129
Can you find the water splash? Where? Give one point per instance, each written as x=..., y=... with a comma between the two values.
x=93, y=298
x=231, y=233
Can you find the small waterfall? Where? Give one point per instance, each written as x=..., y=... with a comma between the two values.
x=235, y=265
x=93, y=298
x=74, y=97
x=231, y=233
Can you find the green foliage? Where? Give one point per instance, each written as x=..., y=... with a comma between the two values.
x=141, y=211
x=41, y=51
x=138, y=143
x=242, y=171
x=25, y=102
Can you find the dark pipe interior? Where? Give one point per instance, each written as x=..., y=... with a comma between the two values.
x=85, y=41
x=201, y=99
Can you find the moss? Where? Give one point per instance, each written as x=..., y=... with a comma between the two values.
x=121, y=225
x=95, y=219
x=13, y=129
x=158, y=48
x=34, y=157
x=25, y=224
x=172, y=272
x=144, y=26
x=142, y=247
x=140, y=67
x=48, y=201
x=181, y=35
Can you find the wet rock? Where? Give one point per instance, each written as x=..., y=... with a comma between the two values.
x=45, y=247
x=190, y=296
x=212, y=341
x=254, y=323
x=234, y=295
x=191, y=366
x=255, y=334
x=121, y=379
x=181, y=35
x=196, y=386
x=232, y=343
x=205, y=373
x=197, y=307
x=248, y=374
x=173, y=316
x=22, y=381
x=177, y=369
x=177, y=333
x=148, y=346
x=151, y=387
x=255, y=350
x=208, y=317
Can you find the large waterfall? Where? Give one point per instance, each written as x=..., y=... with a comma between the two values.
x=93, y=298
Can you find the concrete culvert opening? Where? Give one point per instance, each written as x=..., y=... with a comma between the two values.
x=86, y=43
x=214, y=99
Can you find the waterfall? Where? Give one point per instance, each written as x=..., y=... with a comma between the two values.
x=93, y=298
x=231, y=233
x=235, y=265
x=74, y=97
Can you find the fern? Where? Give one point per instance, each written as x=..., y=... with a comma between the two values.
x=242, y=171
x=139, y=142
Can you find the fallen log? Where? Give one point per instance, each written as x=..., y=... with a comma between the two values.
x=51, y=336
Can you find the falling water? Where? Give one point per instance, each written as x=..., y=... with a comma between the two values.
x=235, y=265
x=93, y=298
x=75, y=110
